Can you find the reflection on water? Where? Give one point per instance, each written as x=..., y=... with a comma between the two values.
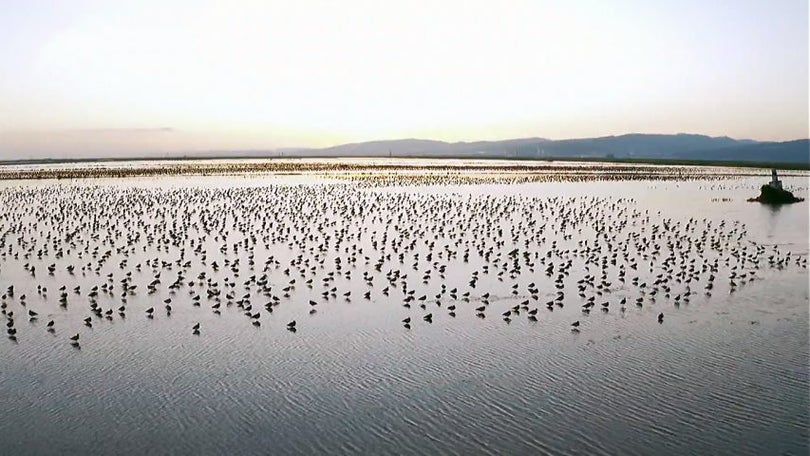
x=725, y=373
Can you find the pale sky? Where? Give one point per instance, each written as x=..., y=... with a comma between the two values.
x=91, y=78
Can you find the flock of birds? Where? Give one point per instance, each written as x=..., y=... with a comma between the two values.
x=108, y=251
x=379, y=172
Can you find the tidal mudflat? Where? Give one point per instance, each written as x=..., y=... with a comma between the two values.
x=401, y=308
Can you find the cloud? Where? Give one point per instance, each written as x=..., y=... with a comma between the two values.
x=124, y=130
x=91, y=131
x=88, y=142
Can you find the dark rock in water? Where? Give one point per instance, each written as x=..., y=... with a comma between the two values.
x=771, y=195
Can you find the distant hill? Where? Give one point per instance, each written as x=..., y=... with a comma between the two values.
x=633, y=146
x=424, y=147
x=780, y=152
x=630, y=146
x=639, y=146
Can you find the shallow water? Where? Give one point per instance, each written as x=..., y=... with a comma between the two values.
x=723, y=374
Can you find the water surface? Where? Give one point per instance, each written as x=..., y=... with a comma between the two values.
x=723, y=374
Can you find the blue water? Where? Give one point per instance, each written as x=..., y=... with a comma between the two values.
x=723, y=374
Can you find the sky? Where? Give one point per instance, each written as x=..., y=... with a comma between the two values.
x=107, y=78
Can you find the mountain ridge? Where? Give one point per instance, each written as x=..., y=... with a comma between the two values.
x=630, y=146
x=681, y=146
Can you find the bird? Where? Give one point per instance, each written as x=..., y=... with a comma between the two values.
x=108, y=247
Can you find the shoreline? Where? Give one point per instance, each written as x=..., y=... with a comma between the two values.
x=376, y=167
x=638, y=161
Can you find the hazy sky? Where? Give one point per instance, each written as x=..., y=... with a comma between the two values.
x=80, y=77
